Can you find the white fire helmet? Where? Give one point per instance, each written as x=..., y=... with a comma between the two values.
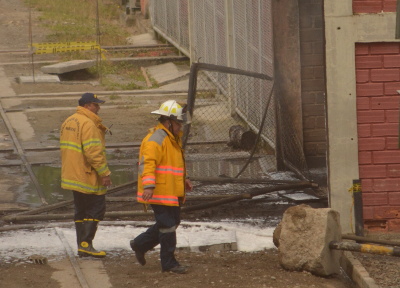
x=173, y=110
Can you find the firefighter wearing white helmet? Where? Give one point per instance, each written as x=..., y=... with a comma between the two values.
x=170, y=109
x=162, y=183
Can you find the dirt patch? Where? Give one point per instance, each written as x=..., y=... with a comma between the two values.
x=27, y=275
x=225, y=269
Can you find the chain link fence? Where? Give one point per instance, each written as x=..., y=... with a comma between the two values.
x=233, y=33
x=222, y=147
x=170, y=18
x=240, y=128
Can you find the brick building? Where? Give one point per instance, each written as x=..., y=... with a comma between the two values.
x=363, y=74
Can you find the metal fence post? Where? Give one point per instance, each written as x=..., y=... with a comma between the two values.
x=190, y=32
x=229, y=50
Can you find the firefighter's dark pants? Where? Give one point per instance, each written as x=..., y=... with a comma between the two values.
x=89, y=210
x=163, y=232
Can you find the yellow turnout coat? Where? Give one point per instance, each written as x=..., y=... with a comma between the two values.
x=83, y=156
x=162, y=167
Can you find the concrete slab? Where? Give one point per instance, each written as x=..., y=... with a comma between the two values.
x=167, y=72
x=38, y=79
x=141, y=40
x=94, y=273
x=68, y=66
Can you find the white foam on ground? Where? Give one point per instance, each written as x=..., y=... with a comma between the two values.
x=21, y=244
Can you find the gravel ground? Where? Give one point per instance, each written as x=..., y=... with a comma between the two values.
x=384, y=269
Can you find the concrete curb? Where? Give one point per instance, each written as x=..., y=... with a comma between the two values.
x=356, y=271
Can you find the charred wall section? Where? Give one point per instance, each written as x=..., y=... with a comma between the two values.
x=313, y=84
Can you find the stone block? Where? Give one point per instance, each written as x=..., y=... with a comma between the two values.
x=304, y=240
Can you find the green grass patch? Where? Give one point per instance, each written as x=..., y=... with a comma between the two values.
x=120, y=76
x=76, y=20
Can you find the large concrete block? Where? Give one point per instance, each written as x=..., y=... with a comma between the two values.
x=167, y=73
x=68, y=66
x=141, y=40
x=304, y=240
x=38, y=79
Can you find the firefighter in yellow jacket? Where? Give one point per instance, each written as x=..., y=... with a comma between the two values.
x=162, y=183
x=85, y=171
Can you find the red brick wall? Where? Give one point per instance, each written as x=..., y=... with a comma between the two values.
x=374, y=6
x=378, y=79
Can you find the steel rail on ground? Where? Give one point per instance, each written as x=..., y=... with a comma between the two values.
x=21, y=154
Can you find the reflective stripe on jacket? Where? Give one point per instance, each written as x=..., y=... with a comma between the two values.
x=83, y=153
x=162, y=167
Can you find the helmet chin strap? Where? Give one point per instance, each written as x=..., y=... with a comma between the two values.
x=170, y=127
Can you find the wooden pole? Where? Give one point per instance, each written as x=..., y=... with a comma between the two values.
x=248, y=195
x=69, y=216
x=244, y=180
x=31, y=43
x=146, y=77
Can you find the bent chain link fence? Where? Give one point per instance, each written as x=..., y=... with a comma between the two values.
x=233, y=135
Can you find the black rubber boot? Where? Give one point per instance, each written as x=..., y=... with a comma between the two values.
x=85, y=248
x=139, y=254
x=79, y=231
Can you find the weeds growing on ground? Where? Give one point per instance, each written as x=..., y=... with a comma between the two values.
x=76, y=20
x=90, y=20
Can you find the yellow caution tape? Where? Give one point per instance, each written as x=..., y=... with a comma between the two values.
x=52, y=48
x=63, y=44
x=355, y=188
